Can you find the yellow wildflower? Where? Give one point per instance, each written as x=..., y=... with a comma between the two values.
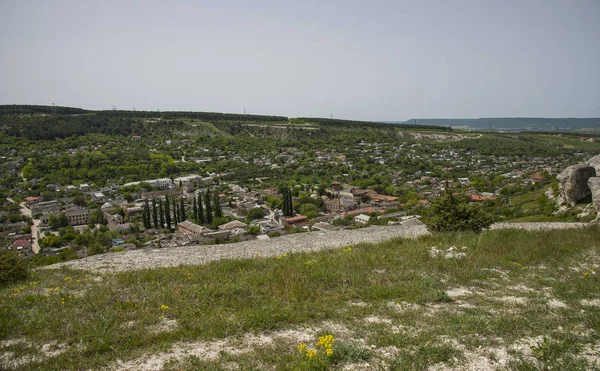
x=326, y=341
x=68, y=279
x=311, y=353
x=329, y=351
x=347, y=249
x=164, y=307
x=302, y=347
x=57, y=289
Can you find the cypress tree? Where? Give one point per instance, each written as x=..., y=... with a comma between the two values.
x=289, y=208
x=195, y=211
x=182, y=215
x=154, y=213
x=167, y=213
x=175, y=216
x=208, y=208
x=144, y=218
x=218, y=212
x=200, y=209
x=147, y=212
x=160, y=213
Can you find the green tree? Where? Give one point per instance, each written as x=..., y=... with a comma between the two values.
x=309, y=210
x=13, y=268
x=218, y=212
x=50, y=241
x=208, y=207
x=453, y=213
x=148, y=215
x=160, y=213
x=63, y=221
x=154, y=213
x=175, y=213
x=182, y=215
x=200, y=209
x=53, y=222
x=254, y=230
x=195, y=211
x=167, y=212
x=79, y=200
x=255, y=213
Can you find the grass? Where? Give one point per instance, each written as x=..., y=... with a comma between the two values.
x=528, y=201
x=386, y=304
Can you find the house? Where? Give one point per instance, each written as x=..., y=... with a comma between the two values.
x=537, y=177
x=362, y=219
x=31, y=200
x=98, y=196
x=85, y=187
x=233, y=225
x=339, y=204
x=383, y=198
x=267, y=226
x=47, y=207
x=21, y=244
x=77, y=215
x=107, y=207
x=296, y=221
x=113, y=220
x=190, y=228
x=117, y=242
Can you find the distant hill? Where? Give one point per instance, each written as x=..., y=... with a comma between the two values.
x=514, y=124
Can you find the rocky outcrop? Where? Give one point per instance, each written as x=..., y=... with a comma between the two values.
x=594, y=185
x=574, y=182
x=595, y=163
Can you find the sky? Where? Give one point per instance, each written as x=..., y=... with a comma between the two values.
x=360, y=60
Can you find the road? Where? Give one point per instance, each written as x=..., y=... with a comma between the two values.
x=35, y=246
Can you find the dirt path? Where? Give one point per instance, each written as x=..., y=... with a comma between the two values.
x=202, y=254
x=537, y=226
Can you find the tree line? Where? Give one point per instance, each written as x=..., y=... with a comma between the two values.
x=160, y=213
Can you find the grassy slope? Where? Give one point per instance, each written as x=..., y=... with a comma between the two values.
x=528, y=201
x=112, y=316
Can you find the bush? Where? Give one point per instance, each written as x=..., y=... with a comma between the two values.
x=95, y=249
x=453, y=213
x=13, y=268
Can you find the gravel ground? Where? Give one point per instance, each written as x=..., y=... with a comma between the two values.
x=202, y=254
x=539, y=226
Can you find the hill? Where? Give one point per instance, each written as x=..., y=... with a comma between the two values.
x=503, y=299
x=588, y=125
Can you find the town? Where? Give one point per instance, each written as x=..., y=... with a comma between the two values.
x=216, y=189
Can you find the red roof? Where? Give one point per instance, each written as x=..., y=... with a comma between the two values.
x=538, y=177
x=21, y=243
x=481, y=198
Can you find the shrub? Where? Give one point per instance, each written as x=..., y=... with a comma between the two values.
x=13, y=268
x=96, y=248
x=453, y=213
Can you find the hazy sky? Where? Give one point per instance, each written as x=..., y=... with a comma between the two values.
x=363, y=60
